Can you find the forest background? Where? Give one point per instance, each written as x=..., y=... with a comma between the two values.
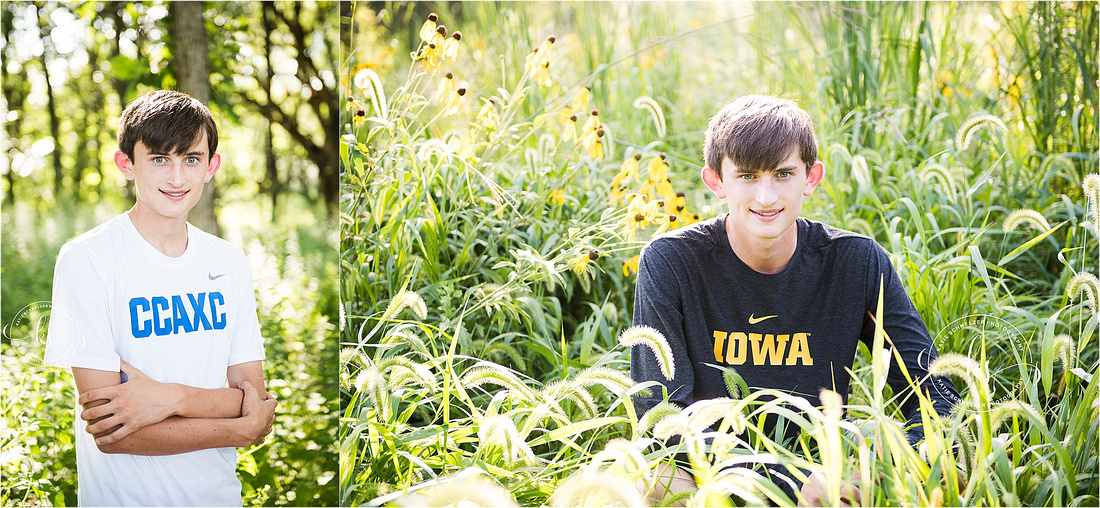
x=493, y=215
x=267, y=72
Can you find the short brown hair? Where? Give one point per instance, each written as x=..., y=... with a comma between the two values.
x=166, y=122
x=757, y=133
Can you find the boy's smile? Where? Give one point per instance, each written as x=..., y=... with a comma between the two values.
x=167, y=185
x=763, y=206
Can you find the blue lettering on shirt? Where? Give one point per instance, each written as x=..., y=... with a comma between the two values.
x=168, y=315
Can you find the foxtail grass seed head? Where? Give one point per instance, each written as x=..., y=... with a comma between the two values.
x=1091, y=186
x=1086, y=283
x=501, y=431
x=370, y=85
x=621, y=454
x=647, y=103
x=1026, y=216
x=662, y=410
x=497, y=375
x=588, y=488
x=1011, y=408
x=408, y=300
x=966, y=132
x=732, y=388
x=473, y=492
x=1066, y=349
x=642, y=335
x=704, y=413
x=962, y=367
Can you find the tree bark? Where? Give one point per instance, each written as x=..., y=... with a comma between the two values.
x=191, y=55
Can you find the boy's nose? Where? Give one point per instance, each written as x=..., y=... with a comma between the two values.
x=765, y=192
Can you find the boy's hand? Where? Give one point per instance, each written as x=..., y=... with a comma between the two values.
x=813, y=491
x=257, y=415
x=114, y=412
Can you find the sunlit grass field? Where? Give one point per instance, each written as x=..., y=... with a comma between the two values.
x=492, y=217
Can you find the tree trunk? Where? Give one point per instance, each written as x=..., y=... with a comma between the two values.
x=190, y=51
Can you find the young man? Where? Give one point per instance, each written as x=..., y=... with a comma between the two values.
x=780, y=299
x=173, y=310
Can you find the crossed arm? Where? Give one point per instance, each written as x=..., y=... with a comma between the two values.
x=146, y=417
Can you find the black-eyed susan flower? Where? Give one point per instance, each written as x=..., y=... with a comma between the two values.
x=446, y=87
x=640, y=212
x=439, y=37
x=428, y=56
x=450, y=46
x=679, y=202
x=360, y=117
x=580, y=101
x=557, y=197
x=665, y=222
x=453, y=100
x=630, y=265
x=351, y=104
x=487, y=117
x=427, y=30
x=592, y=123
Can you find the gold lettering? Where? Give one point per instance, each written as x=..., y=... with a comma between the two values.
x=800, y=350
x=719, y=344
x=764, y=348
x=740, y=342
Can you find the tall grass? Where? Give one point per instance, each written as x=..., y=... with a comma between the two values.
x=486, y=256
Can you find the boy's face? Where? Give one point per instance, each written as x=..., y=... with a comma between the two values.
x=764, y=205
x=169, y=185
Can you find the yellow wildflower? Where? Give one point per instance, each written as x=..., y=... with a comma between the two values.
x=487, y=117
x=679, y=202
x=592, y=123
x=568, y=121
x=589, y=132
x=427, y=30
x=628, y=169
x=639, y=214
x=438, y=38
x=537, y=63
x=667, y=193
x=360, y=117
x=557, y=197
x=427, y=55
x=579, y=264
x=451, y=106
x=595, y=150
x=446, y=87
x=580, y=102
x=657, y=169
x=666, y=222
x=630, y=264
x=351, y=104
x=450, y=46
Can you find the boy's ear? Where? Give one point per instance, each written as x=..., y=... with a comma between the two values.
x=713, y=182
x=125, y=166
x=215, y=163
x=814, y=178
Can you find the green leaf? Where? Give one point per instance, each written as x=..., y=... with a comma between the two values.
x=1027, y=245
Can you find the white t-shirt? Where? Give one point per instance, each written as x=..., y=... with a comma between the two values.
x=179, y=320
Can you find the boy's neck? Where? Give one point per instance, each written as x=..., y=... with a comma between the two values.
x=166, y=234
x=764, y=255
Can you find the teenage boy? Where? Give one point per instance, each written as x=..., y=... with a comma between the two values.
x=780, y=299
x=164, y=314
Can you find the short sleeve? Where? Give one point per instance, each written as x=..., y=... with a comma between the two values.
x=247, y=342
x=79, y=333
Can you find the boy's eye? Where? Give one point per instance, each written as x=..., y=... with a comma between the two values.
x=160, y=160
x=746, y=176
x=192, y=160
x=784, y=174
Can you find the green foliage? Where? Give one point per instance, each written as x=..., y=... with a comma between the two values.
x=293, y=264
x=929, y=154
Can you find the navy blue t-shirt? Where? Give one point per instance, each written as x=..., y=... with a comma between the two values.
x=794, y=331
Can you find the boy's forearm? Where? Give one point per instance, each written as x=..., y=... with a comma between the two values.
x=176, y=435
x=209, y=403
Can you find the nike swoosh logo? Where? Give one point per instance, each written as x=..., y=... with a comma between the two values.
x=216, y=277
x=754, y=320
